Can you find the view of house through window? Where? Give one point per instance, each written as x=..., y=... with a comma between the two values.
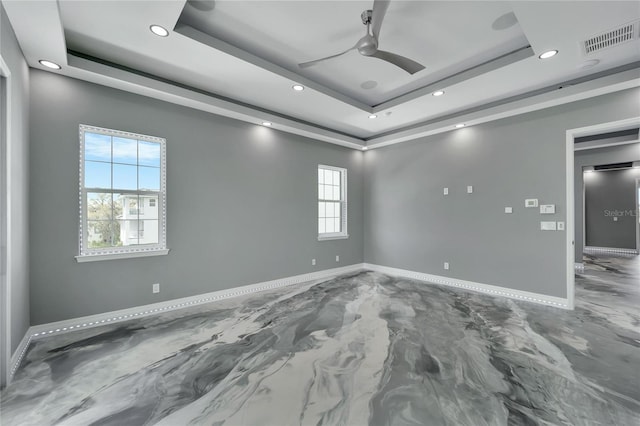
x=332, y=202
x=122, y=191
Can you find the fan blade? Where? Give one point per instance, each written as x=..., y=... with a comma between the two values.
x=406, y=64
x=377, y=16
x=311, y=63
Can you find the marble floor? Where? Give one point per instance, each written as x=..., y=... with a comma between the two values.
x=359, y=349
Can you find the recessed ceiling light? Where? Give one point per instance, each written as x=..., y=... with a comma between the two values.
x=548, y=54
x=49, y=64
x=266, y=123
x=458, y=126
x=438, y=93
x=298, y=87
x=372, y=116
x=159, y=31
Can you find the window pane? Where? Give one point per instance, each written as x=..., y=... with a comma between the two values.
x=321, y=209
x=99, y=205
x=150, y=210
x=336, y=225
x=119, y=201
x=328, y=177
x=125, y=150
x=336, y=192
x=329, y=225
x=97, y=147
x=149, y=178
x=329, y=210
x=129, y=232
x=103, y=233
x=320, y=176
x=148, y=153
x=97, y=175
x=321, y=227
x=328, y=192
x=125, y=177
x=148, y=231
x=336, y=178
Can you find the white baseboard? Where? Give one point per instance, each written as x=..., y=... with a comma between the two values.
x=73, y=324
x=610, y=250
x=474, y=286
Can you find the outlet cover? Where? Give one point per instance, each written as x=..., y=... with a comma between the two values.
x=446, y=191
x=337, y=258
x=446, y=265
x=560, y=226
x=469, y=189
x=313, y=262
x=156, y=288
x=508, y=209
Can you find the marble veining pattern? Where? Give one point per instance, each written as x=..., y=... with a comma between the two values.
x=360, y=349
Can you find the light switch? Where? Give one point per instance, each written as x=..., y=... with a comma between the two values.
x=560, y=226
x=547, y=226
x=531, y=202
x=469, y=189
x=446, y=191
x=548, y=209
x=615, y=218
x=508, y=210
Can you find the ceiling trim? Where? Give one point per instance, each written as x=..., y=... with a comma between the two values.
x=95, y=72
x=563, y=95
x=222, y=46
x=469, y=73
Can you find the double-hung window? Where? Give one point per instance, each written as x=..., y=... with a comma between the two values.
x=332, y=203
x=122, y=195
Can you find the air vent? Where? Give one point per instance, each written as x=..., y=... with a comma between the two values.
x=611, y=38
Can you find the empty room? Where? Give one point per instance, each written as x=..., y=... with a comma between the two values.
x=273, y=213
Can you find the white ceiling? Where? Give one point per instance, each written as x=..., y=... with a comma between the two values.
x=239, y=58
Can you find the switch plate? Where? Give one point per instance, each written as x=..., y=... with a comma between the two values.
x=531, y=202
x=615, y=218
x=548, y=209
x=508, y=209
x=446, y=191
x=337, y=258
x=446, y=265
x=560, y=226
x=547, y=226
x=156, y=288
x=469, y=189
x=313, y=262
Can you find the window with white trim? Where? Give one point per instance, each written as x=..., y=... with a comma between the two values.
x=332, y=203
x=122, y=194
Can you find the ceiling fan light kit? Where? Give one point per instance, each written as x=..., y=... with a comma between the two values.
x=368, y=45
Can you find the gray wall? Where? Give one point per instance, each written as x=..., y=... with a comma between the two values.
x=241, y=202
x=595, y=157
x=409, y=224
x=606, y=193
x=15, y=169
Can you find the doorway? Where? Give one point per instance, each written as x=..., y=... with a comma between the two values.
x=575, y=196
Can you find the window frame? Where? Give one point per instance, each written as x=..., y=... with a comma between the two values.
x=343, y=234
x=86, y=254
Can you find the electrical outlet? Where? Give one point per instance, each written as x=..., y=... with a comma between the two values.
x=337, y=258
x=508, y=210
x=156, y=288
x=313, y=262
x=446, y=191
x=560, y=226
x=446, y=265
x=469, y=189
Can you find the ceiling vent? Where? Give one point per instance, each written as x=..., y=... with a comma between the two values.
x=615, y=37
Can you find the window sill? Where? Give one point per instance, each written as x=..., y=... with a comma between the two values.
x=333, y=237
x=113, y=256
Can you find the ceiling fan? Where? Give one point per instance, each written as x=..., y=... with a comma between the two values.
x=368, y=45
